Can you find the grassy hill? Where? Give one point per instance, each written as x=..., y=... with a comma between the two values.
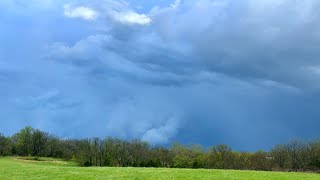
x=48, y=168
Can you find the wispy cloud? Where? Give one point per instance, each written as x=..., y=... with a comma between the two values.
x=131, y=18
x=82, y=12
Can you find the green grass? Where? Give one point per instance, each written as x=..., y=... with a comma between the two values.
x=48, y=168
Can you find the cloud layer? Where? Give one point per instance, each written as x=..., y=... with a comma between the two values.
x=209, y=71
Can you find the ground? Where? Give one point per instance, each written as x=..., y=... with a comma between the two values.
x=47, y=168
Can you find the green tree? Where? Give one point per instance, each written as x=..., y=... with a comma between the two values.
x=5, y=145
x=315, y=155
x=222, y=155
x=23, y=140
x=280, y=156
x=39, y=142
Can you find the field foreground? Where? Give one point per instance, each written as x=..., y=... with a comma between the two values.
x=18, y=168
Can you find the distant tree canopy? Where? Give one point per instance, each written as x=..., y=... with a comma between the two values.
x=294, y=156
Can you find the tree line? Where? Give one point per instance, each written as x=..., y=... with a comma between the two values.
x=296, y=155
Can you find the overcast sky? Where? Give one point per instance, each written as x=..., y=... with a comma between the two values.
x=244, y=73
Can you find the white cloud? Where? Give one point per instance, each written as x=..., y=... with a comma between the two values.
x=118, y=11
x=131, y=18
x=162, y=134
x=80, y=12
x=175, y=4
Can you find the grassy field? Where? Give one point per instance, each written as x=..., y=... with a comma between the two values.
x=47, y=168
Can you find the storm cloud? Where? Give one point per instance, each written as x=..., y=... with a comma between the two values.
x=241, y=72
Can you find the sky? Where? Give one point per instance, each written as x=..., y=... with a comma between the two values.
x=244, y=73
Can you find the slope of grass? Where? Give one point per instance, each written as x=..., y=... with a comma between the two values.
x=48, y=168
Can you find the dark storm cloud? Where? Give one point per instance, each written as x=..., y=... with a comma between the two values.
x=207, y=71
